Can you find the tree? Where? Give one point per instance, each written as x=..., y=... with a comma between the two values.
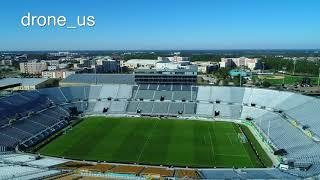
x=266, y=84
x=222, y=73
x=302, y=66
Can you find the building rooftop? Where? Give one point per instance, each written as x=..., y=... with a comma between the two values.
x=155, y=71
x=143, y=61
x=237, y=72
x=100, y=79
x=23, y=81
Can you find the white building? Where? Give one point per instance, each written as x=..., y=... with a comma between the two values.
x=144, y=63
x=167, y=72
x=226, y=62
x=174, y=58
x=206, y=66
x=63, y=54
x=6, y=62
x=53, y=62
x=48, y=74
x=33, y=67
x=251, y=63
x=62, y=66
x=61, y=74
x=52, y=68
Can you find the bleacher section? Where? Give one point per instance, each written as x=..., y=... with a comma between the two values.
x=165, y=92
x=286, y=120
x=76, y=93
x=20, y=105
x=76, y=79
x=94, y=92
x=118, y=106
x=34, y=127
x=307, y=115
x=161, y=108
x=20, y=166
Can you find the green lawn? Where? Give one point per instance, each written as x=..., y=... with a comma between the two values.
x=291, y=80
x=153, y=141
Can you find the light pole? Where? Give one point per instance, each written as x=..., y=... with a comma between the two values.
x=319, y=78
x=294, y=65
x=95, y=74
x=284, y=69
x=269, y=129
x=240, y=75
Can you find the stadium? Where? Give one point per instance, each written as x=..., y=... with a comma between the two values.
x=137, y=131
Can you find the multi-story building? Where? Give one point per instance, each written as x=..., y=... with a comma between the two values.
x=174, y=58
x=6, y=62
x=33, y=67
x=206, y=66
x=65, y=74
x=53, y=62
x=62, y=66
x=108, y=66
x=251, y=63
x=48, y=74
x=167, y=73
x=226, y=62
x=138, y=63
x=61, y=74
x=52, y=68
x=63, y=54
x=85, y=62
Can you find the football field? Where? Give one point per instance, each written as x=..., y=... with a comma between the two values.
x=156, y=142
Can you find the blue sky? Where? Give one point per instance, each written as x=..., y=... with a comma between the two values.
x=165, y=24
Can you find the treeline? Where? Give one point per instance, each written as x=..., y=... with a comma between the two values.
x=302, y=66
x=140, y=56
x=206, y=57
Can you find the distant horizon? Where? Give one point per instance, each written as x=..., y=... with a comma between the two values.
x=177, y=50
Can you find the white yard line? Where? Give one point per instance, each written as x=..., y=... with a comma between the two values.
x=146, y=142
x=229, y=139
x=245, y=150
x=232, y=155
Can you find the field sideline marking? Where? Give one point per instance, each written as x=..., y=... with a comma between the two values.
x=248, y=154
x=211, y=147
x=229, y=138
x=149, y=136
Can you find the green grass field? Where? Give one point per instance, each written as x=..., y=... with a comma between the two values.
x=154, y=141
x=288, y=79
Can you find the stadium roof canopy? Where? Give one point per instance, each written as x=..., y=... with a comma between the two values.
x=100, y=79
x=11, y=82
